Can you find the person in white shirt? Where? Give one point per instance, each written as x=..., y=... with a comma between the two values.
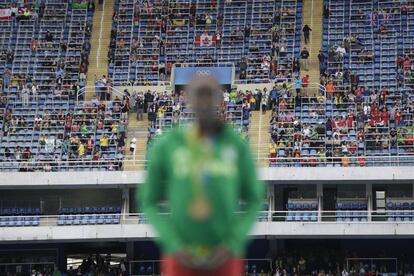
x=209, y=19
x=133, y=145
x=307, y=132
x=340, y=51
x=226, y=96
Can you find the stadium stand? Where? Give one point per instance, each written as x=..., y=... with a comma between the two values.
x=166, y=111
x=61, y=111
x=46, y=48
x=302, y=212
x=44, y=65
x=89, y=216
x=15, y=217
x=55, y=135
x=399, y=211
x=362, y=116
x=351, y=211
x=261, y=38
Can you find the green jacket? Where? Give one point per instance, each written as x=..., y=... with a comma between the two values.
x=232, y=177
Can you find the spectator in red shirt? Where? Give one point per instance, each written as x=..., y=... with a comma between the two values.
x=362, y=162
x=358, y=92
x=360, y=135
x=353, y=147
x=385, y=116
x=350, y=120
x=305, y=83
x=397, y=117
x=407, y=63
x=400, y=61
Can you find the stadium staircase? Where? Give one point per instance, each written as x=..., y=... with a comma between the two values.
x=313, y=16
x=259, y=136
x=101, y=38
x=139, y=130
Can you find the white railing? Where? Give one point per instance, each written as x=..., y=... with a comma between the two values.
x=149, y=267
x=138, y=162
x=302, y=216
x=25, y=268
x=114, y=92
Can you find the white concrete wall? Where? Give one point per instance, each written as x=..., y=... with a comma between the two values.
x=272, y=229
x=275, y=175
x=144, y=88
x=168, y=88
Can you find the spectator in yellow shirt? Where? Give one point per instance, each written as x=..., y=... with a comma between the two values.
x=81, y=149
x=103, y=142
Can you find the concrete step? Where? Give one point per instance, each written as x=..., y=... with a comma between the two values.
x=259, y=135
x=313, y=16
x=101, y=33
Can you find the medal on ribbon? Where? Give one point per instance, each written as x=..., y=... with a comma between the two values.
x=199, y=207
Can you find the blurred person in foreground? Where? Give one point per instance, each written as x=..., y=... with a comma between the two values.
x=202, y=172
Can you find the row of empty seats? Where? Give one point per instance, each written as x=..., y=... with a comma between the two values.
x=88, y=219
x=89, y=210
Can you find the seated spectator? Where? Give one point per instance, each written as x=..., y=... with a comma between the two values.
x=362, y=162
x=104, y=142
x=330, y=87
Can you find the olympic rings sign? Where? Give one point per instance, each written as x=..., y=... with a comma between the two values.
x=203, y=73
x=183, y=75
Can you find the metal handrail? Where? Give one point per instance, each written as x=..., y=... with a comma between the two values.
x=155, y=264
x=85, y=89
x=260, y=157
x=371, y=216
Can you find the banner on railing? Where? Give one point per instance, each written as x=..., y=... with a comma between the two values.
x=5, y=14
x=205, y=40
x=183, y=75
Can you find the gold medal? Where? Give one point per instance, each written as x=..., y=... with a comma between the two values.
x=199, y=209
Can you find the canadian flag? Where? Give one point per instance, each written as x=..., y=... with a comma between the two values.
x=5, y=14
x=205, y=40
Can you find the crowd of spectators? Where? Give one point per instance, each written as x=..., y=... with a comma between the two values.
x=94, y=131
x=165, y=110
x=361, y=118
x=150, y=47
x=99, y=265
x=52, y=54
x=332, y=263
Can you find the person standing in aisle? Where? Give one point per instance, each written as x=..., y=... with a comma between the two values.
x=306, y=33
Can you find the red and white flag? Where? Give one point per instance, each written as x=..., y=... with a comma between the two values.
x=205, y=40
x=5, y=14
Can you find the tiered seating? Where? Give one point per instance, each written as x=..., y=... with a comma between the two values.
x=232, y=47
x=123, y=27
x=366, y=118
x=351, y=211
x=167, y=112
x=399, y=211
x=376, y=42
x=283, y=127
x=47, y=60
x=178, y=43
x=313, y=128
x=341, y=130
x=287, y=37
x=302, y=211
x=89, y=216
x=148, y=39
x=13, y=217
x=55, y=134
